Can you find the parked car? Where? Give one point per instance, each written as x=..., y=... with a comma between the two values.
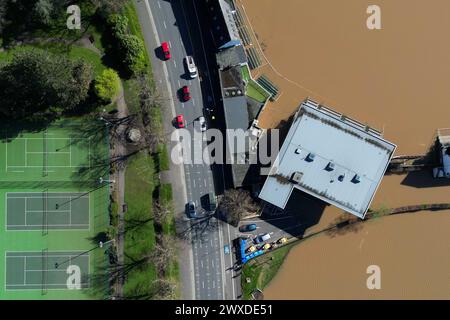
x=247, y=227
x=202, y=122
x=166, y=50
x=261, y=238
x=282, y=240
x=186, y=93
x=192, y=211
x=180, y=121
x=251, y=249
x=191, y=66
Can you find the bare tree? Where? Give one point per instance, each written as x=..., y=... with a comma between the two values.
x=237, y=204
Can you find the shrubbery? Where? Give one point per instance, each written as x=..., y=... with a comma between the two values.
x=130, y=48
x=107, y=85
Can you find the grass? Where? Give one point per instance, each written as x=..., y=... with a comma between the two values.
x=88, y=55
x=255, y=91
x=163, y=158
x=245, y=73
x=261, y=270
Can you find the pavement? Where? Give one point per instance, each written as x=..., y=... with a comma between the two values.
x=206, y=270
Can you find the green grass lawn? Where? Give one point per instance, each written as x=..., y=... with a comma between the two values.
x=255, y=91
x=261, y=270
x=140, y=232
x=88, y=55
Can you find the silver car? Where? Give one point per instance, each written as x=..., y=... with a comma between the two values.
x=202, y=122
x=191, y=66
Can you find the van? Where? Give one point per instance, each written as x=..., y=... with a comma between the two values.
x=212, y=201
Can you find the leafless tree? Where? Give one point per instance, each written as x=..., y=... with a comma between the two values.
x=237, y=204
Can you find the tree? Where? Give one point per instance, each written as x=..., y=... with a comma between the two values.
x=132, y=50
x=107, y=85
x=109, y=6
x=36, y=82
x=236, y=205
x=43, y=11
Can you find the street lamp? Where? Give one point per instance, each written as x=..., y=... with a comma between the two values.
x=101, y=180
x=108, y=123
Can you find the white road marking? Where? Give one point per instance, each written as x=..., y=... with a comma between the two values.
x=159, y=4
x=165, y=26
x=170, y=44
x=201, y=262
x=179, y=83
x=193, y=101
x=182, y=105
x=175, y=63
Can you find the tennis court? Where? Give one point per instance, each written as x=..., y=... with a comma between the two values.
x=47, y=210
x=46, y=270
x=51, y=152
x=54, y=211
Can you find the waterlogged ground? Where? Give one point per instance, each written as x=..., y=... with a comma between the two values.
x=394, y=79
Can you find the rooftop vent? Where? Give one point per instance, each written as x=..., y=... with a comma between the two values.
x=356, y=179
x=330, y=166
x=298, y=150
x=310, y=157
x=296, y=177
x=341, y=177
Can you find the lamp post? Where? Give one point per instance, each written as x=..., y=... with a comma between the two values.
x=101, y=180
x=100, y=245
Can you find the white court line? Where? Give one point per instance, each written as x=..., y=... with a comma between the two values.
x=48, y=152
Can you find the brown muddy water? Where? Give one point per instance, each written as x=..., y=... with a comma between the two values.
x=397, y=80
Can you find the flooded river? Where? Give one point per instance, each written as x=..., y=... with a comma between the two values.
x=395, y=79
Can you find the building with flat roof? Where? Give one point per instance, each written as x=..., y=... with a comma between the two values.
x=225, y=31
x=331, y=157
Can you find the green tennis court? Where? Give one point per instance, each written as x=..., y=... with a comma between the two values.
x=46, y=270
x=54, y=211
x=47, y=210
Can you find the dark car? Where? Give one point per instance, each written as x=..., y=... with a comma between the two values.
x=192, y=211
x=186, y=93
x=247, y=227
x=166, y=50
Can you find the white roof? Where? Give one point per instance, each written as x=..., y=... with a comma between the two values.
x=335, y=159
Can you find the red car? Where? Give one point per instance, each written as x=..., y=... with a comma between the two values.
x=166, y=50
x=186, y=93
x=180, y=121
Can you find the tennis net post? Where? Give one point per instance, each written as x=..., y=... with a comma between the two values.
x=44, y=271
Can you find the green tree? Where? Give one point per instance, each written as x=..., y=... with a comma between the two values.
x=107, y=85
x=36, y=81
x=118, y=24
x=132, y=49
x=43, y=11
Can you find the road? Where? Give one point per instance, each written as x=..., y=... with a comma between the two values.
x=204, y=266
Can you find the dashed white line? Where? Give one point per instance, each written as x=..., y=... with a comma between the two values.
x=175, y=63
x=179, y=83
x=193, y=101
x=165, y=26
x=159, y=4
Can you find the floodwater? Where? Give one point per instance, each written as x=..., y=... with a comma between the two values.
x=397, y=80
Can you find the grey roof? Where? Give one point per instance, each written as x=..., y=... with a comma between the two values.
x=331, y=157
x=231, y=57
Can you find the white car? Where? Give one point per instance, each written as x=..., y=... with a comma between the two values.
x=202, y=123
x=191, y=66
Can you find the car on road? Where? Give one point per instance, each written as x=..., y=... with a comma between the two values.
x=202, y=122
x=247, y=227
x=180, y=121
x=261, y=238
x=190, y=64
x=186, y=93
x=192, y=211
x=166, y=50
